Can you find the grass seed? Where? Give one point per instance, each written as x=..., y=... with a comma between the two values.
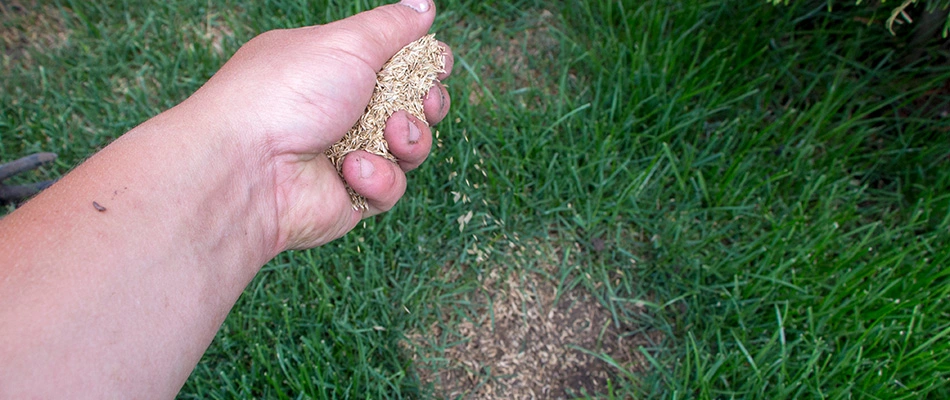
x=401, y=84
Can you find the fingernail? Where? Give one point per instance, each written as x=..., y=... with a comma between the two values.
x=414, y=133
x=366, y=168
x=420, y=6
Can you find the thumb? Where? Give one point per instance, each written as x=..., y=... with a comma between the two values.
x=381, y=32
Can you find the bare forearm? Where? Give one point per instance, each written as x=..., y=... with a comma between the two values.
x=123, y=271
x=114, y=280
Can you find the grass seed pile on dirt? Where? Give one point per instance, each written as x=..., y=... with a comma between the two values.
x=401, y=84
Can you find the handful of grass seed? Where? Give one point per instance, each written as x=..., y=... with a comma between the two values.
x=401, y=84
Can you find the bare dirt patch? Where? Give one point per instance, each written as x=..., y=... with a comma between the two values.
x=529, y=56
x=215, y=32
x=26, y=25
x=527, y=339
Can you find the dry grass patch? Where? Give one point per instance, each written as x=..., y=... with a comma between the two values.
x=526, y=338
x=530, y=56
x=29, y=25
x=215, y=32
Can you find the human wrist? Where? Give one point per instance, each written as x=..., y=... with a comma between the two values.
x=220, y=178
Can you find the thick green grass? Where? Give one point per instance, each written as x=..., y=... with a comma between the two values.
x=772, y=182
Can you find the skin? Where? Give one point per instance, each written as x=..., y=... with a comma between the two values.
x=121, y=300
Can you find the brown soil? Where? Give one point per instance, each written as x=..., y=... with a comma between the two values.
x=530, y=56
x=26, y=25
x=526, y=339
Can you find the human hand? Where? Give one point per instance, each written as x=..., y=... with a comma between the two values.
x=157, y=234
x=288, y=95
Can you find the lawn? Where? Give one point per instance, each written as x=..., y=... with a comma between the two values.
x=675, y=199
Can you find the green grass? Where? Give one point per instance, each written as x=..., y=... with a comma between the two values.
x=778, y=175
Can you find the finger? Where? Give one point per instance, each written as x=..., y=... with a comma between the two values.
x=379, y=33
x=449, y=61
x=410, y=139
x=436, y=104
x=377, y=179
